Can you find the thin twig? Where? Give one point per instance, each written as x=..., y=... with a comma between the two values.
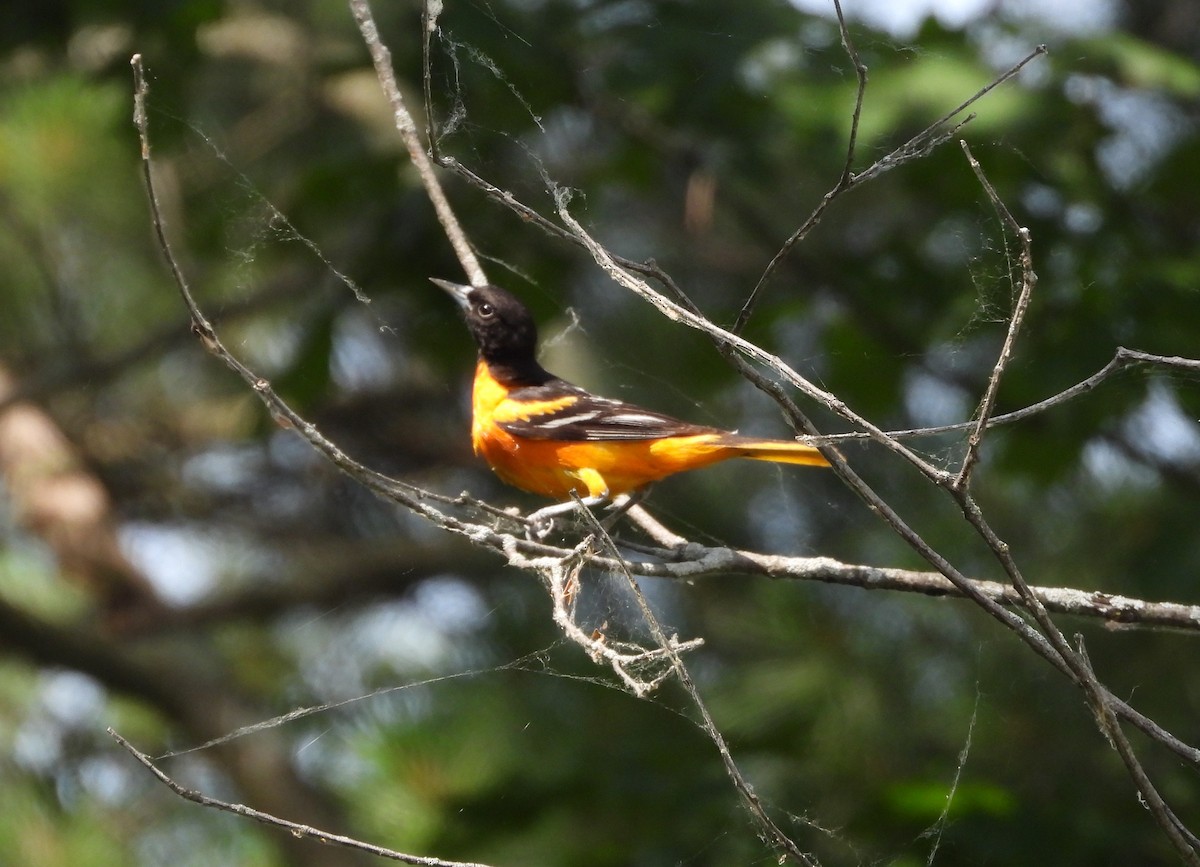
x=845, y=180
x=429, y=17
x=1028, y=282
x=860, y=72
x=293, y=828
x=1122, y=359
x=918, y=146
x=938, y=827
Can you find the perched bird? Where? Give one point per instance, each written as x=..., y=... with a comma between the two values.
x=549, y=437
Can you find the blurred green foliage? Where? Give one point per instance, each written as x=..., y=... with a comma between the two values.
x=847, y=709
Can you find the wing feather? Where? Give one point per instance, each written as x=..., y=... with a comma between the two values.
x=568, y=413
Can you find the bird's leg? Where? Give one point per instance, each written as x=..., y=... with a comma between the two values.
x=622, y=504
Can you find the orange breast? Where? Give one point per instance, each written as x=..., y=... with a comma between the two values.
x=555, y=468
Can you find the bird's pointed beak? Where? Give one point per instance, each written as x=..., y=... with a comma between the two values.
x=457, y=291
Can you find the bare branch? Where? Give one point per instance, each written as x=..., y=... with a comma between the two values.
x=382, y=59
x=297, y=830
x=1099, y=699
x=430, y=10
x=691, y=560
x=409, y=495
x=1075, y=663
x=860, y=72
x=709, y=561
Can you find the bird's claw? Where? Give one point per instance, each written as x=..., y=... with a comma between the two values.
x=538, y=527
x=540, y=524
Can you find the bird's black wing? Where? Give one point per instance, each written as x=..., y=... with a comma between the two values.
x=557, y=410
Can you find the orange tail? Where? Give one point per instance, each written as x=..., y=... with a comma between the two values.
x=778, y=451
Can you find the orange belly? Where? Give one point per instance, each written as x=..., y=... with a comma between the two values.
x=555, y=468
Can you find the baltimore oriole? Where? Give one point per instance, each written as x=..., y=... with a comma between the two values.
x=549, y=437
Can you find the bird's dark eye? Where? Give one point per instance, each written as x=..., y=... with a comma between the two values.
x=485, y=310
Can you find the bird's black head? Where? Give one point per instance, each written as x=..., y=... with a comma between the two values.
x=502, y=326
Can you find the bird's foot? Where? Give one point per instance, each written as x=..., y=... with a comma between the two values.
x=540, y=524
x=619, y=505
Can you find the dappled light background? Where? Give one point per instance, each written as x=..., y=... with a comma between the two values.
x=175, y=564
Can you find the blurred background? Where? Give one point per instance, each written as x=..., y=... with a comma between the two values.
x=175, y=565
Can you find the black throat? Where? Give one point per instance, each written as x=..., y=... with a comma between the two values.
x=517, y=372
